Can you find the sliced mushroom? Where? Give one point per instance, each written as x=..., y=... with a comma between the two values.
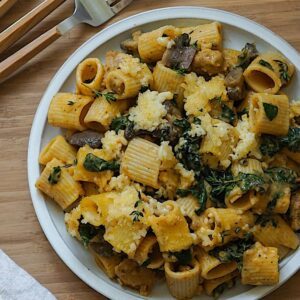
x=88, y=137
x=103, y=248
x=180, y=55
x=234, y=82
x=249, y=52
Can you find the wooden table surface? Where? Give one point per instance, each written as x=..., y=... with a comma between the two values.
x=21, y=236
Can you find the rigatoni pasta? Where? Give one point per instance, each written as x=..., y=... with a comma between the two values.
x=180, y=160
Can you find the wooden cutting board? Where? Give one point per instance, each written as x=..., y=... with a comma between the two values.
x=20, y=234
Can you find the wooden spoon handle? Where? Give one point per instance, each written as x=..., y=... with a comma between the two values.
x=5, y=5
x=18, y=59
x=19, y=28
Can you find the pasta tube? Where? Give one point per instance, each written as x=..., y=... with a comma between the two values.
x=269, y=114
x=108, y=264
x=68, y=110
x=56, y=182
x=260, y=265
x=268, y=72
x=183, y=281
x=58, y=148
x=89, y=75
x=141, y=163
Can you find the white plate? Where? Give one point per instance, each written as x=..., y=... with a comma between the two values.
x=237, y=31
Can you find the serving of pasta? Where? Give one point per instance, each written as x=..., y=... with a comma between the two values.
x=179, y=161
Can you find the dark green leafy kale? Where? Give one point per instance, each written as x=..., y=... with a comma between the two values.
x=233, y=251
x=227, y=114
x=54, y=175
x=199, y=192
x=265, y=64
x=249, y=182
x=71, y=102
x=221, y=182
x=271, y=110
x=144, y=88
x=87, y=232
x=292, y=140
x=283, y=71
x=270, y=145
x=188, y=151
x=249, y=53
x=183, y=124
x=184, y=257
x=265, y=219
x=120, y=123
x=219, y=290
x=272, y=204
x=94, y=163
x=282, y=175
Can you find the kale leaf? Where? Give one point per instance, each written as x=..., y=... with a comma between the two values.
x=269, y=145
x=184, y=257
x=271, y=110
x=249, y=182
x=198, y=191
x=233, y=251
x=281, y=174
x=119, y=123
x=94, y=163
x=87, y=232
x=292, y=140
x=54, y=175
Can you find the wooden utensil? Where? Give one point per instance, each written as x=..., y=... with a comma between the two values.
x=92, y=12
x=5, y=5
x=18, y=29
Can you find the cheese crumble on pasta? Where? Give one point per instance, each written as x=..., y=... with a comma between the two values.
x=180, y=158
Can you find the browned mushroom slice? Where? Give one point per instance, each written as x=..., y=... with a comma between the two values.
x=139, y=278
x=234, y=82
x=88, y=137
x=180, y=55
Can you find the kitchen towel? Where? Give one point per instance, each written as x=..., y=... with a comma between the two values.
x=16, y=284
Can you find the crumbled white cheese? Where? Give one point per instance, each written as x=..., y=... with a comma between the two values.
x=166, y=155
x=112, y=143
x=118, y=183
x=196, y=130
x=150, y=111
x=187, y=178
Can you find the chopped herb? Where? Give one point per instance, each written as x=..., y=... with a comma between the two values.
x=144, y=88
x=265, y=64
x=184, y=257
x=180, y=71
x=283, y=71
x=271, y=110
x=224, y=234
x=54, y=175
x=195, y=45
x=136, y=215
x=146, y=262
x=264, y=220
x=199, y=192
x=87, y=232
x=137, y=203
x=109, y=96
x=71, y=102
x=233, y=251
x=244, y=111
x=94, y=163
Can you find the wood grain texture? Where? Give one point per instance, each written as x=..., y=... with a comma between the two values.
x=20, y=234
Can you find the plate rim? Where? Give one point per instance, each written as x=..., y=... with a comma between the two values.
x=33, y=169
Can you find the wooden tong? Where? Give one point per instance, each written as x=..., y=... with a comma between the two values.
x=18, y=29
